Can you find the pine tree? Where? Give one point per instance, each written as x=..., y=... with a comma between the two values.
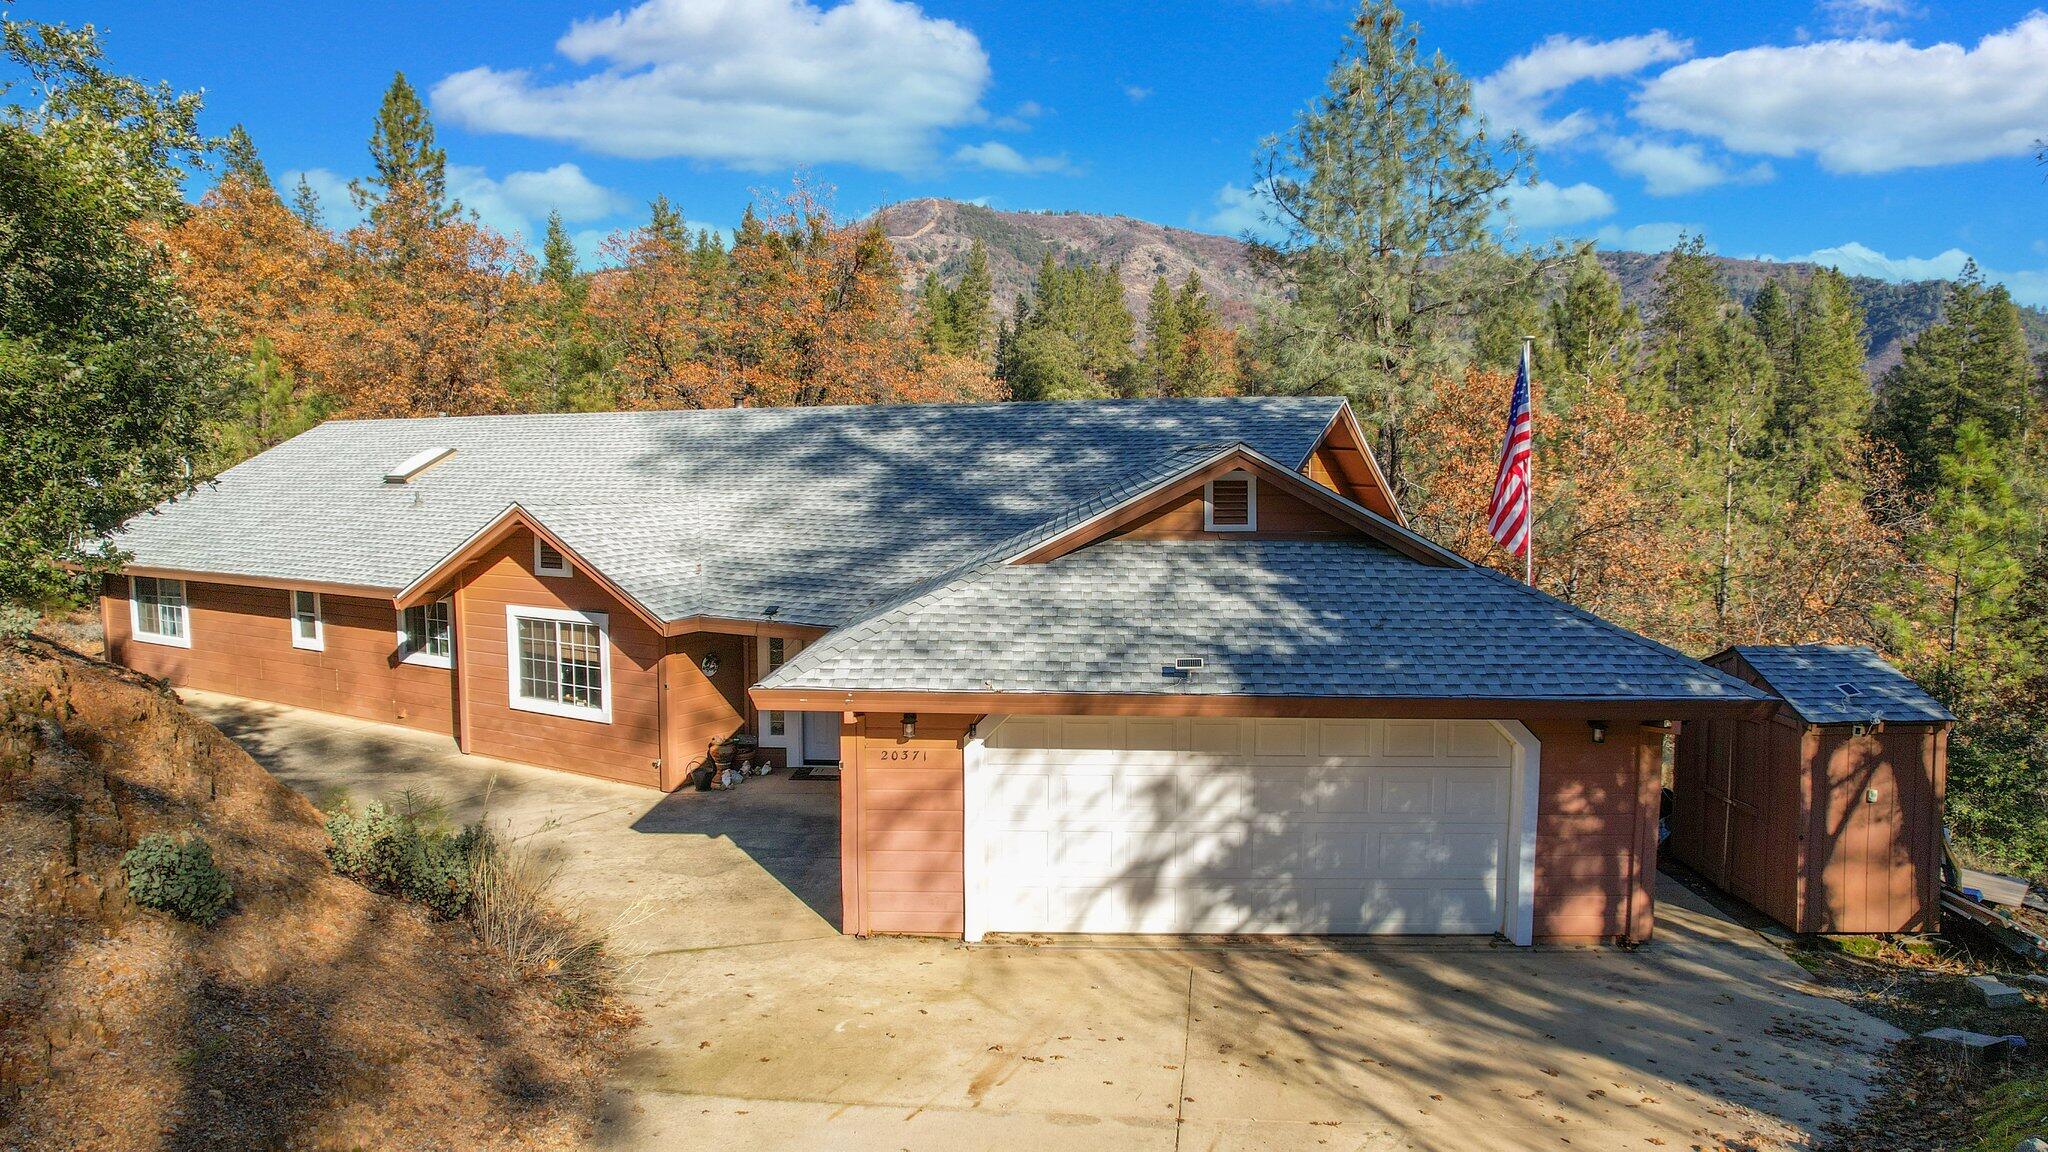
x=306, y=204
x=1971, y=366
x=1073, y=340
x=1823, y=396
x=403, y=152
x=973, y=305
x=1597, y=339
x=1166, y=334
x=1385, y=193
x=241, y=161
x=558, y=255
x=1771, y=312
x=933, y=314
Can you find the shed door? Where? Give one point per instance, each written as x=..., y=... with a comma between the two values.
x=1097, y=824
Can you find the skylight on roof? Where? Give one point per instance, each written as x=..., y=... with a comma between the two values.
x=1849, y=690
x=416, y=464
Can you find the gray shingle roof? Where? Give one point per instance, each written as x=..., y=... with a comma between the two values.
x=1810, y=678
x=1321, y=618
x=821, y=512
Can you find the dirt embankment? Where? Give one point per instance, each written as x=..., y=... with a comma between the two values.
x=315, y=1014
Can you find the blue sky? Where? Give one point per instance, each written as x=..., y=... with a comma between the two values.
x=1888, y=136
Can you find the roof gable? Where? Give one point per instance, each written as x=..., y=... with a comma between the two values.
x=1272, y=477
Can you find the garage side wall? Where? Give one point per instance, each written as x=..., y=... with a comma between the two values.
x=902, y=814
x=1596, y=830
x=242, y=645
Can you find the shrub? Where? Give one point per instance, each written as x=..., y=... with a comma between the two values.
x=177, y=876
x=407, y=851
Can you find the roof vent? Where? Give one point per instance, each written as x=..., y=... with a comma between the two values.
x=416, y=464
x=1230, y=504
x=1849, y=690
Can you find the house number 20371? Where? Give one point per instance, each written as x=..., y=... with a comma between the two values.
x=903, y=753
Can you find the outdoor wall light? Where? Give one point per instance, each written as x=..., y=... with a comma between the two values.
x=910, y=725
x=1599, y=728
x=709, y=664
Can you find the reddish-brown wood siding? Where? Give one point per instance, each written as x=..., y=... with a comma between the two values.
x=902, y=821
x=628, y=747
x=242, y=645
x=1596, y=837
x=902, y=815
x=1281, y=515
x=1781, y=815
x=699, y=710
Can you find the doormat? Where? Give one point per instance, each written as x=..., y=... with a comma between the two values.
x=816, y=772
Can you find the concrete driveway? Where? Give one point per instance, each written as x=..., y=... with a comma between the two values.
x=767, y=1029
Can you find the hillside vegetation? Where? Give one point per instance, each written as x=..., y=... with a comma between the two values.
x=935, y=236
x=313, y=1013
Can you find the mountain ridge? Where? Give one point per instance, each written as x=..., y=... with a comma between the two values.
x=931, y=234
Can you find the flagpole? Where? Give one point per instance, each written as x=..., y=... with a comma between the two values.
x=1529, y=551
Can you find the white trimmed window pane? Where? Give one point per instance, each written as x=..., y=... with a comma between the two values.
x=160, y=606
x=539, y=677
x=581, y=648
x=439, y=640
x=306, y=615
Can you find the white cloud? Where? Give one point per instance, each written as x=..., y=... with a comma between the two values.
x=1136, y=92
x=1676, y=169
x=759, y=84
x=1658, y=237
x=1865, y=17
x=1237, y=211
x=1556, y=205
x=1857, y=259
x=1519, y=95
x=519, y=203
x=1019, y=119
x=999, y=157
x=1862, y=106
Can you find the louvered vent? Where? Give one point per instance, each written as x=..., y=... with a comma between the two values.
x=548, y=560
x=1230, y=504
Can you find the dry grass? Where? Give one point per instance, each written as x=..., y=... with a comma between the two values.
x=314, y=1014
x=529, y=931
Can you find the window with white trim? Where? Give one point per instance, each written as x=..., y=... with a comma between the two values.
x=156, y=611
x=548, y=559
x=561, y=662
x=426, y=635
x=1230, y=503
x=307, y=630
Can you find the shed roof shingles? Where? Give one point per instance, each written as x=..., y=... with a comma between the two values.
x=1809, y=677
x=1324, y=618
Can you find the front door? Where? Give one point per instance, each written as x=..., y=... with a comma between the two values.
x=821, y=737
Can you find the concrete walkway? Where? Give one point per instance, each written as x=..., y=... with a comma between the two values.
x=767, y=1029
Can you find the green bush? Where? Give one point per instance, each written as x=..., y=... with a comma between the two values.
x=408, y=852
x=177, y=876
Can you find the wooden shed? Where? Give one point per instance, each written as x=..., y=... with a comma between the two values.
x=1824, y=814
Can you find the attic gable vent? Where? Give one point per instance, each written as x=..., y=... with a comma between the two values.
x=416, y=464
x=1230, y=504
x=548, y=560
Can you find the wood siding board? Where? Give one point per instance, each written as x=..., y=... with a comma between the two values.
x=241, y=645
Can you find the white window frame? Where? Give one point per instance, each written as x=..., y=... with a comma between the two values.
x=422, y=657
x=565, y=570
x=317, y=642
x=135, y=629
x=514, y=613
x=791, y=738
x=1251, y=504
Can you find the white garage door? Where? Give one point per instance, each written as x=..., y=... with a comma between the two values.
x=1094, y=824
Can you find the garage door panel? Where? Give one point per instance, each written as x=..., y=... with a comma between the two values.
x=1271, y=826
x=1439, y=854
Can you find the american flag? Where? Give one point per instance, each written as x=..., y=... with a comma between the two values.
x=1508, y=514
